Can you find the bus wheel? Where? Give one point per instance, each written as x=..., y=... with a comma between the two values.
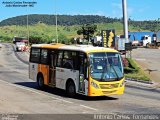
x=40, y=81
x=70, y=89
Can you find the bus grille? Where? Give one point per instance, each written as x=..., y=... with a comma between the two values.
x=109, y=92
x=109, y=86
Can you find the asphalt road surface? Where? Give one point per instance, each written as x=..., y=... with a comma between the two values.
x=149, y=60
x=20, y=95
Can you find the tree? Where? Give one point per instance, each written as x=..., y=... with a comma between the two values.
x=87, y=31
x=62, y=39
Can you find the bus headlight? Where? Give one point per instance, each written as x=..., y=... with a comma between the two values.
x=122, y=84
x=94, y=85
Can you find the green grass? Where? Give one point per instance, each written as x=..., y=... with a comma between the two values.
x=137, y=76
x=134, y=71
x=48, y=32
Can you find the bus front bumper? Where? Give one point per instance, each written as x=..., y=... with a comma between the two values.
x=107, y=89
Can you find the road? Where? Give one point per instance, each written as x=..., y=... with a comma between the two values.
x=19, y=94
x=148, y=59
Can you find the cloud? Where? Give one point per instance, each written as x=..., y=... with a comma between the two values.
x=117, y=5
x=116, y=13
x=116, y=10
x=144, y=9
x=137, y=11
x=130, y=10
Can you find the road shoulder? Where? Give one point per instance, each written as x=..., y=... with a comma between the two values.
x=17, y=99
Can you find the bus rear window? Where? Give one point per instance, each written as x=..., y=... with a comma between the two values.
x=35, y=55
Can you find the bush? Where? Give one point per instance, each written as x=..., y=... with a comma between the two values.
x=5, y=38
x=63, y=39
x=132, y=66
x=129, y=70
x=134, y=72
x=125, y=62
x=35, y=39
x=137, y=76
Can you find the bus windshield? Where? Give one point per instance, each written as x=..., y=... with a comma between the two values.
x=106, y=66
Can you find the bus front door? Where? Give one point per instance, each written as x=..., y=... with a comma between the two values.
x=52, y=70
x=82, y=73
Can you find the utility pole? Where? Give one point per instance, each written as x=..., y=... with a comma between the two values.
x=125, y=18
x=27, y=30
x=125, y=24
x=56, y=22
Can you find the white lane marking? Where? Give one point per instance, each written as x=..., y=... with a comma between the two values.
x=88, y=107
x=24, y=88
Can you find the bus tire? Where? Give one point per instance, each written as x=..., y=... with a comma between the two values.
x=40, y=81
x=70, y=89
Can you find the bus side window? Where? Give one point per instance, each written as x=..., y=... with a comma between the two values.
x=35, y=55
x=59, y=59
x=44, y=56
x=68, y=64
x=75, y=61
x=70, y=60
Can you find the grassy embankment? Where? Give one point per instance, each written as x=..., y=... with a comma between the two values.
x=48, y=32
x=133, y=71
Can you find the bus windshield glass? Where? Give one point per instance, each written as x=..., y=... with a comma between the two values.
x=105, y=66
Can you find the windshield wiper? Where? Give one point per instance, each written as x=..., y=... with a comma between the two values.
x=105, y=71
x=114, y=71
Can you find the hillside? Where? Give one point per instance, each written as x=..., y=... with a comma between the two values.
x=62, y=20
x=70, y=20
x=47, y=33
x=43, y=29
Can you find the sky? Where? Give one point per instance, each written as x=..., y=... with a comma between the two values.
x=136, y=9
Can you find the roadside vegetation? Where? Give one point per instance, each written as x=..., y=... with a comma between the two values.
x=43, y=33
x=42, y=28
x=133, y=71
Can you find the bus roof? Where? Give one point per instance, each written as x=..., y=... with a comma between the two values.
x=84, y=48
